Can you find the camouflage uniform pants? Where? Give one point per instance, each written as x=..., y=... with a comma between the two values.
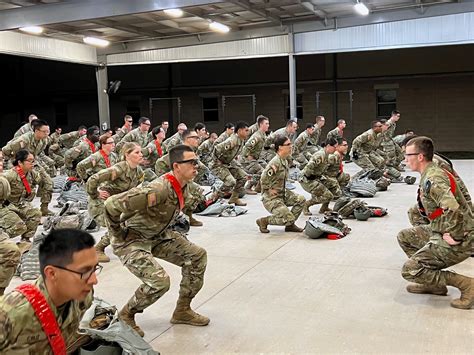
x=281, y=214
x=95, y=207
x=415, y=217
x=343, y=179
x=45, y=187
x=301, y=160
x=370, y=161
x=48, y=164
x=426, y=265
x=139, y=258
x=267, y=154
x=333, y=186
x=254, y=168
x=9, y=259
x=233, y=177
x=20, y=220
x=319, y=192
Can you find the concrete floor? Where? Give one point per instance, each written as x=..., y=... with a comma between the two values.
x=284, y=293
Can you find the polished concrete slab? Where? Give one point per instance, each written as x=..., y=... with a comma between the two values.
x=285, y=293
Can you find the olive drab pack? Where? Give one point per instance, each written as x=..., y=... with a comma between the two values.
x=321, y=227
x=347, y=210
x=70, y=216
x=382, y=184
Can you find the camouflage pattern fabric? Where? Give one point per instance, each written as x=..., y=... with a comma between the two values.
x=9, y=259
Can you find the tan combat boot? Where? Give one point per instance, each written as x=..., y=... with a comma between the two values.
x=103, y=258
x=262, y=224
x=325, y=207
x=183, y=314
x=193, y=222
x=45, y=212
x=127, y=316
x=100, y=249
x=466, y=286
x=293, y=228
x=430, y=289
x=306, y=207
x=234, y=199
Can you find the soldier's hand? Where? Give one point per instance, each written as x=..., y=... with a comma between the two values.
x=103, y=195
x=448, y=239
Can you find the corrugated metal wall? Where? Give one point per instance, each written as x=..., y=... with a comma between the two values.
x=249, y=48
x=432, y=31
x=46, y=48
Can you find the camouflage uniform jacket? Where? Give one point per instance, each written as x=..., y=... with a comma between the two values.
x=253, y=128
x=366, y=142
x=18, y=192
x=122, y=132
x=399, y=139
x=148, y=210
x=205, y=149
x=26, y=141
x=23, y=129
x=300, y=143
x=22, y=333
x=335, y=167
x=221, y=138
x=336, y=133
x=78, y=153
x=54, y=138
x=273, y=178
x=118, y=178
x=136, y=136
x=151, y=154
x=172, y=141
x=314, y=138
x=254, y=146
x=226, y=152
x=67, y=140
x=93, y=164
x=435, y=192
x=316, y=166
x=269, y=141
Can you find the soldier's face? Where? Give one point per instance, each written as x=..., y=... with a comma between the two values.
x=165, y=125
x=377, y=128
x=192, y=140
x=243, y=133
x=145, y=126
x=28, y=164
x=42, y=132
x=135, y=156
x=82, y=132
x=264, y=126
x=229, y=131
x=95, y=136
x=109, y=145
x=331, y=148
x=412, y=157
x=186, y=169
x=292, y=127
x=321, y=123
x=343, y=147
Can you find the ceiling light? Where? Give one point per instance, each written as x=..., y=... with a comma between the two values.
x=32, y=29
x=174, y=12
x=361, y=9
x=96, y=41
x=219, y=27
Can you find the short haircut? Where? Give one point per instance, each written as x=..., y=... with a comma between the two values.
x=340, y=121
x=229, y=125
x=181, y=125
x=383, y=121
x=177, y=152
x=57, y=127
x=395, y=112
x=32, y=117
x=81, y=127
x=260, y=119
x=163, y=122
x=198, y=126
x=127, y=117
x=91, y=130
x=143, y=120
x=59, y=246
x=37, y=124
x=213, y=135
x=240, y=125
x=156, y=130
x=374, y=123
x=290, y=122
x=319, y=118
x=407, y=139
x=279, y=141
x=20, y=156
x=423, y=145
x=341, y=140
x=186, y=133
x=309, y=125
x=330, y=141
x=409, y=131
x=103, y=139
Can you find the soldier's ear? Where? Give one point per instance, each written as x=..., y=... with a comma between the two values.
x=50, y=272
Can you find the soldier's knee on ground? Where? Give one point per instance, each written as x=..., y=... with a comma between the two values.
x=411, y=269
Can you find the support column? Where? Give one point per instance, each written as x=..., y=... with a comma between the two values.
x=102, y=97
x=292, y=75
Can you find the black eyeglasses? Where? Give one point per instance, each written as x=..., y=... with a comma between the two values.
x=195, y=137
x=194, y=162
x=30, y=160
x=129, y=121
x=84, y=275
x=408, y=154
x=109, y=142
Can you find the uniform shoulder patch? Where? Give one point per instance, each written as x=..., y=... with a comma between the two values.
x=427, y=186
x=151, y=199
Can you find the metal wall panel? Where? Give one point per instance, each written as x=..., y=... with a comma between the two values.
x=249, y=48
x=432, y=31
x=46, y=48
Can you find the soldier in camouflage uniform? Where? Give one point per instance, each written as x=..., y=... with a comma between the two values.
x=389, y=149
x=147, y=212
x=80, y=152
x=175, y=139
x=251, y=154
x=154, y=151
x=288, y=131
x=275, y=196
x=138, y=135
x=225, y=166
x=20, y=217
x=68, y=140
x=68, y=267
x=364, y=148
x=126, y=128
x=300, y=146
x=204, y=150
x=111, y=181
x=449, y=238
x=36, y=142
x=229, y=130
x=313, y=179
x=335, y=170
x=102, y=159
x=62, y=143
x=338, y=132
x=9, y=252
x=163, y=166
x=313, y=144
x=27, y=127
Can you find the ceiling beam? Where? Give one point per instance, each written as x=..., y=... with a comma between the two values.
x=250, y=7
x=129, y=28
x=311, y=6
x=79, y=10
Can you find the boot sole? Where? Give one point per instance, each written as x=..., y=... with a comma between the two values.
x=461, y=306
x=175, y=321
x=428, y=293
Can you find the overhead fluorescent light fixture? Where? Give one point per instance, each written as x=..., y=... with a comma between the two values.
x=36, y=30
x=174, y=12
x=96, y=41
x=219, y=27
x=361, y=8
